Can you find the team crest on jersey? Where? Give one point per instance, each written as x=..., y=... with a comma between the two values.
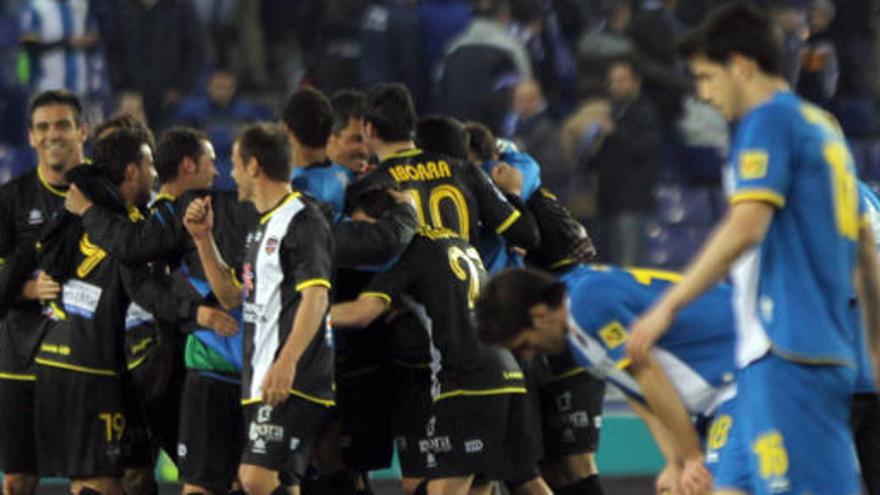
x=35, y=217
x=271, y=245
x=247, y=279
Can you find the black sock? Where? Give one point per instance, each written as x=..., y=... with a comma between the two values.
x=587, y=486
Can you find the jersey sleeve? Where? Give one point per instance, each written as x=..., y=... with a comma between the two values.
x=308, y=249
x=157, y=237
x=364, y=243
x=763, y=163
x=602, y=313
x=390, y=284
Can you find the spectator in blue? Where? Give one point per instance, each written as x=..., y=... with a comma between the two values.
x=538, y=134
x=155, y=47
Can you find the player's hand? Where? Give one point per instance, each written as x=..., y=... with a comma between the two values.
x=645, y=332
x=667, y=482
x=199, y=218
x=42, y=288
x=507, y=178
x=695, y=478
x=278, y=382
x=217, y=320
x=75, y=201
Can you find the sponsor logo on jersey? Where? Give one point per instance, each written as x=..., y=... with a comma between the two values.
x=271, y=245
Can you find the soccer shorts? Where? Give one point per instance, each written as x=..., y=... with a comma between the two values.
x=363, y=404
x=17, y=452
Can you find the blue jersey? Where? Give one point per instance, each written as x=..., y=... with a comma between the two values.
x=793, y=290
x=492, y=247
x=326, y=181
x=697, y=353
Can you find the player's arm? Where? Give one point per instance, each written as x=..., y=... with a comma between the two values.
x=157, y=237
x=667, y=480
x=199, y=220
x=505, y=214
x=868, y=287
x=366, y=243
x=665, y=403
x=360, y=312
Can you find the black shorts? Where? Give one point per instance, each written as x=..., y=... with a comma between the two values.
x=866, y=429
x=363, y=404
x=571, y=412
x=525, y=444
x=211, y=431
x=453, y=437
x=17, y=436
x=80, y=422
x=281, y=438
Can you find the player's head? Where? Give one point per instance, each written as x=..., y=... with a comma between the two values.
x=444, y=135
x=186, y=155
x=308, y=117
x=524, y=310
x=735, y=47
x=56, y=130
x=124, y=156
x=260, y=152
x=123, y=121
x=347, y=145
x=481, y=143
x=390, y=115
x=368, y=201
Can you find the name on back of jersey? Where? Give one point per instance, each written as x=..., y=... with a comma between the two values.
x=421, y=171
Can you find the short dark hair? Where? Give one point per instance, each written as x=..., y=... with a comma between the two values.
x=307, y=113
x=124, y=121
x=370, y=196
x=444, y=135
x=56, y=97
x=347, y=104
x=481, y=141
x=269, y=145
x=736, y=28
x=490, y=8
x=391, y=111
x=175, y=144
x=114, y=152
x=502, y=310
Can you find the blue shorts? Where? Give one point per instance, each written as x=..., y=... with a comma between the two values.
x=790, y=431
x=719, y=440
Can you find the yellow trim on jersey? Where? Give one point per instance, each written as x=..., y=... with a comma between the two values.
x=323, y=282
x=766, y=195
x=49, y=187
x=139, y=361
x=295, y=393
x=17, y=377
x=59, y=313
x=162, y=196
x=73, y=367
x=547, y=194
x=412, y=366
x=235, y=279
x=403, y=154
x=507, y=223
x=563, y=262
x=2, y=261
x=290, y=197
x=623, y=363
x=381, y=295
x=568, y=374
x=362, y=371
x=480, y=393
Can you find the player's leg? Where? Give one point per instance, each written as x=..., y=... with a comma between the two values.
x=207, y=461
x=18, y=459
x=96, y=486
x=524, y=444
x=866, y=429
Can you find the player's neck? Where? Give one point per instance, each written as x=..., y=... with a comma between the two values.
x=761, y=90
x=174, y=189
x=269, y=193
x=303, y=156
x=52, y=177
x=384, y=150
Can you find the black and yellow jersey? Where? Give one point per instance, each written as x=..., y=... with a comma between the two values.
x=438, y=278
x=287, y=251
x=27, y=204
x=451, y=194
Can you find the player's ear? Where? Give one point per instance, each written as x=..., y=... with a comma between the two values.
x=187, y=166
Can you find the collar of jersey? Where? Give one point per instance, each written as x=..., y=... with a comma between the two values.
x=403, y=154
x=49, y=187
x=290, y=197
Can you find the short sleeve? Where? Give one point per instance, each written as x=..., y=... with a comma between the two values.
x=602, y=313
x=308, y=249
x=762, y=163
x=390, y=284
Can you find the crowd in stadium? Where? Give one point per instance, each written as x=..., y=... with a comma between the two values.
x=282, y=241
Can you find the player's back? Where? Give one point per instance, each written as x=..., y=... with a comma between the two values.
x=448, y=193
x=326, y=181
x=793, y=289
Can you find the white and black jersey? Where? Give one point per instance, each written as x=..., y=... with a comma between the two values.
x=290, y=249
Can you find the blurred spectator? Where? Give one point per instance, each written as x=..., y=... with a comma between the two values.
x=482, y=66
x=628, y=166
x=790, y=17
x=440, y=22
x=581, y=135
x=392, y=49
x=552, y=60
x=538, y=135
x=60, y=37
x=654, y=31
x=13, y=95
x=290, y=30
x=131, y=103
x=606, y=40
x=218, y=17
x=221, y=106
x=155, y=47
x=819, y=71
x=335, y=60
x=252, y=62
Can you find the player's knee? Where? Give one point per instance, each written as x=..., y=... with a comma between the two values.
x=420, y=488
x=256, y=480
x=19, y=484
x=570, y=469
x=86, y=490
x=139, y=482
x=585, y=486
